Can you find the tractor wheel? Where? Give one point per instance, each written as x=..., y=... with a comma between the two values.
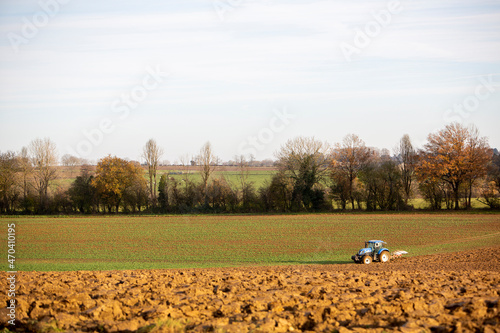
x=384, y=256
x=367, y=260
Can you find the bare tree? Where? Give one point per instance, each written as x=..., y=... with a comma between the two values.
x=71, y=161
x=305, y=161
x=407, y=158
x=185, y=161
x=349, y=158
x=44, y=160
x=152, y=154
x=244, y=169
x=8, y=180
x=208, y=162
x=26, y=170
x=490, y=191
x=479, y=157
x=244, y=173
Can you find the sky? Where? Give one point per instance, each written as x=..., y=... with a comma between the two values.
x=103, y=77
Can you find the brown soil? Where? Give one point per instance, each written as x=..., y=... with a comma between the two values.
x=437, y=293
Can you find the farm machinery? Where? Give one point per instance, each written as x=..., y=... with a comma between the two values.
x=374, y=250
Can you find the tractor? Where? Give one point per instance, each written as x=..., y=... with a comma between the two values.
x=374, y=250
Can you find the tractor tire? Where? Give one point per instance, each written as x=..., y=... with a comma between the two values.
x=366, y=260
x=384, y=256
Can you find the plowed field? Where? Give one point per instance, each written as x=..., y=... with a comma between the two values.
x=437, y=293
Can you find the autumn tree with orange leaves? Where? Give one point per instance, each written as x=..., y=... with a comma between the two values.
x=113, y=177
x=456, y=155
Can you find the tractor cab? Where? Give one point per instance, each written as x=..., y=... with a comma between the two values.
x=371, y=247
x=374, y=245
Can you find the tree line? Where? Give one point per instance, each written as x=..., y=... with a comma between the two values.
x=454, y=166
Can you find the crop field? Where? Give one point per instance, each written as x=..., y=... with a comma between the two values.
x=147, y=242
x=256, y=176
x=254, y=274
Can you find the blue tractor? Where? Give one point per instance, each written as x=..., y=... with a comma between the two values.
x=374, y=250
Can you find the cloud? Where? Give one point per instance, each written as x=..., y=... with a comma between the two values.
x=92, y=52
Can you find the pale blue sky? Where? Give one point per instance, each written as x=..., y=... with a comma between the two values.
x=235, y=67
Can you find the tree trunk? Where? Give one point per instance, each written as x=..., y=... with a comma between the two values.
x=155, y=200
x=469, y=204
x=350, y=191
x=456, y=194
x=151, y=186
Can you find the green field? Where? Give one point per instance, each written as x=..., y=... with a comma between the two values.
x=121, y=242
x=258, y=178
